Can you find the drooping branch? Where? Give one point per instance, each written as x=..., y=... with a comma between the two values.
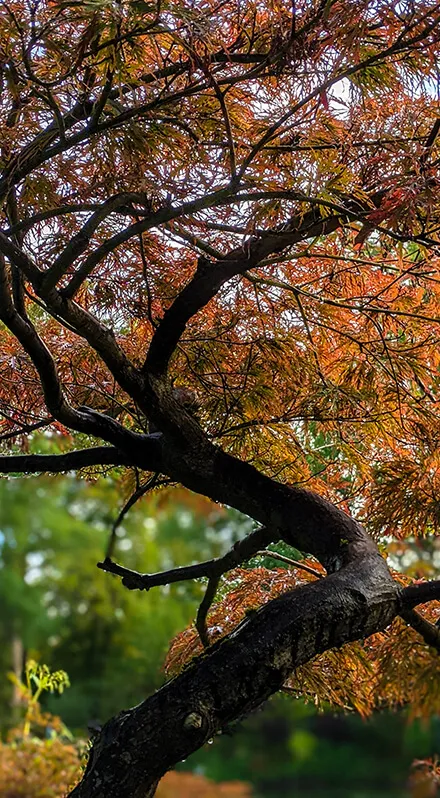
x=429, y=631
x=84, y=324
x=142, y=490
x=41, y=358
x=367, y=307
x=214, y=569
x=241, y=552
x=205, y=605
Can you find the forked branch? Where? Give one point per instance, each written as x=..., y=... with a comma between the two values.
x=211, y=276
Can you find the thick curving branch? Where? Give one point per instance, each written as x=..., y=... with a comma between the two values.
x=20, y=260
x=235, y=676
x=103, y=341
x=357, y=598
x=40, y=356
x=83, y=419
x=300, y=517
x=210, y=276
x=303, y=519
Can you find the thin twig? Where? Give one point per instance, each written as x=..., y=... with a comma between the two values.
x=204, y=608
x=140, y=491
x=295, y=563
x=26, y=429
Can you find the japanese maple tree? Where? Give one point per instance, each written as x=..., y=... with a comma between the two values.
x=219, y=268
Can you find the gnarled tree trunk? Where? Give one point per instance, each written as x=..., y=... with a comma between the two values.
x=238, y=673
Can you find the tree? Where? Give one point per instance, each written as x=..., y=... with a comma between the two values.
x=220, y=222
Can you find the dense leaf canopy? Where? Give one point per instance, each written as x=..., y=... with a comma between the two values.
x=136, y=138
x=220, y=221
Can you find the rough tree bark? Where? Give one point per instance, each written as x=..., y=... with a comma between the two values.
x=238, y=673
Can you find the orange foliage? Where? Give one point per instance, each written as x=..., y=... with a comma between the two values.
x=392, y=668
x=334, y=338
x=36, y=761
x=35, y=768
x=189, y=785
x=246, y=591
x=425, y=779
